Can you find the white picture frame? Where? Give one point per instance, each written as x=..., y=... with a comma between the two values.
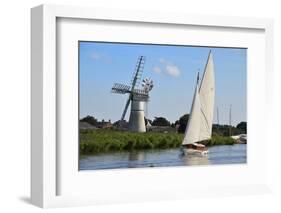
x=45, y=166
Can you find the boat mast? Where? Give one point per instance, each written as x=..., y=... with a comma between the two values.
x=198, y=78
x=230, y=120
x=218, y=119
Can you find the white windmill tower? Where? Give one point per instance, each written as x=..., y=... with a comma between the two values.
x=147, y=85
x=137, y=97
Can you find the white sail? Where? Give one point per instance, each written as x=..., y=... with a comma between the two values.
x=192, y=131
x=207, y=99
x=199, y=125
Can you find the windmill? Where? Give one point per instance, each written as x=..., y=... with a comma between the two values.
x=137, y=97
x=147, y=85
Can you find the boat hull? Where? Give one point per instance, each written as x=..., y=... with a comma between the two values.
x=195, y=149
x=195, y=152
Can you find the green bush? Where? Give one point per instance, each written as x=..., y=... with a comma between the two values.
x=219, y=140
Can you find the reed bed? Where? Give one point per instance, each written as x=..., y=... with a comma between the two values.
x=97, y=141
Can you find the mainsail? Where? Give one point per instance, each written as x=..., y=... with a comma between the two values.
x=199, y=125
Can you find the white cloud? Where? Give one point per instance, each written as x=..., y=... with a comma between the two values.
x=100, y=56
x=162, y=60
x=167, y=67
x=156, y=69
x=172, y=70
x=96, y=56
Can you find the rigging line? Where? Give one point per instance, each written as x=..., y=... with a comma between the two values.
x=205, y=118
x=205, y=70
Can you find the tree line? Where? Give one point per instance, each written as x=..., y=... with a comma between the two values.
x=223, y=130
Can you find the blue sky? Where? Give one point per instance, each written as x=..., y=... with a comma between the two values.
x=173, y=70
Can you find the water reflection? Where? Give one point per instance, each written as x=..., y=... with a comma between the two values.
x=160, y=158
x=136, y=156
x=194, y=160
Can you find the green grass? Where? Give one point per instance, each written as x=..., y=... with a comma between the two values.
x=96, y=141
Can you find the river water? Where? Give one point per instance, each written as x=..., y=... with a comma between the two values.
x=235, y=154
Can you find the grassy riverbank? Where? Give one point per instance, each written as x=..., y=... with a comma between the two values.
x=97, y=141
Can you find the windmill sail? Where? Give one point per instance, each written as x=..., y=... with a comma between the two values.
x=199, y=126
x=138, y=97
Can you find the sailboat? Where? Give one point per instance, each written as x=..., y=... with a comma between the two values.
x=199, y=125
